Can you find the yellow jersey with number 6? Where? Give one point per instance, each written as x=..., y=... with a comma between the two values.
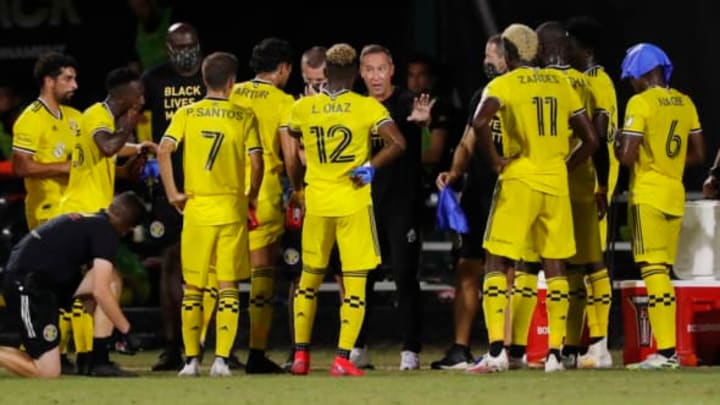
x=664, y=118
x=217, y=135
x=336, y=130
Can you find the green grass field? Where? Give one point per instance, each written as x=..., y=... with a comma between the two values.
x=386, y=385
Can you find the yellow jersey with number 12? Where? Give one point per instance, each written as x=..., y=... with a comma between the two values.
x=92, y=176
x=217, y=135
x=664, y=118
x=336, y=130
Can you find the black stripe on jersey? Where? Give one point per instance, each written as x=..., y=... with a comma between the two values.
x=383, y=121
x=47, y=108
x=488, y=224
x=696, y=130
x=284, y=126
x=24, y=150
x=373, y=229
x=632, y=133
x=337, y=93
x=255, y=150
x=169, y=138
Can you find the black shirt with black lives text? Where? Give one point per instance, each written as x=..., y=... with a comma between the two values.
x=58, y=250
x=480, y=180
x=165, y=92
x=399, y=184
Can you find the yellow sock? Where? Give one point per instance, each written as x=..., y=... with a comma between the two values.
x=226, y=322
x=661, y=304
x=191, y=319
x=305, y=304
x=522, y=306
x=210, y=294
x=495, y=297
x=557, y=309
x=65, y=326
x=352, y=311
x=82, y=326
x=576, y=307
x=599, y=285
x=260, y=308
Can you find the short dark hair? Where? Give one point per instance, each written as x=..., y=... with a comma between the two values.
x=129, y=208
x=424, y=59
x=51, y=64
x=375, y=48
x=511, y=51
x=218, y=68
x=269, y=53
x=120, y=77
x=314, y=57
x=586, y=30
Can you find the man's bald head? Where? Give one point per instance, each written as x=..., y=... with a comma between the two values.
x=183, y=48
x=553, y=41
x=181, y=31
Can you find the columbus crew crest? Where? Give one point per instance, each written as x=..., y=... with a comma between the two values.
x=50, y=333
x=291, y=256
x=157, y=229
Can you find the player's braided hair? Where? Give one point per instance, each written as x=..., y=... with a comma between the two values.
x=341, y=55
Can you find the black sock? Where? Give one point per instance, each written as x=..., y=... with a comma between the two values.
x=345, y=354
x=496, y=348
x=667, y=352
x=517, y=351
x=554, y=352
x=302, y=347
x=568, y=350
x=101, y=350
x=596, y=339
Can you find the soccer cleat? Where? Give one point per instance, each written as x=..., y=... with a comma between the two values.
x=409, y=360
x=656, y=362
x=360, y=358
x=517, y=363
x=597, y=356
x=553, y=364
x=66, y=366
x=342, y=367
x=169, y=360
x=456, y=358
x=220, y=368
x=259, y=364
x=301, y=363
x=569, y=361
x=110, y=369
x=191, y=368
x=490, y=364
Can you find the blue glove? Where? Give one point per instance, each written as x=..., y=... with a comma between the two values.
x=365, y=173
x=450, y=215
x=151, y=170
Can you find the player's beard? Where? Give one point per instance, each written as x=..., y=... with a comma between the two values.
x=65, y=97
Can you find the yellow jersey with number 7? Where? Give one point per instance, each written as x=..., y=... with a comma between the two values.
x=217, y=135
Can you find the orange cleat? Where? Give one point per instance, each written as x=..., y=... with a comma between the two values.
x=342, y=367
x=301, y=363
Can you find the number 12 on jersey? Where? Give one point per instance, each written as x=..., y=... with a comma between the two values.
x=336, y=156
x=541, y=112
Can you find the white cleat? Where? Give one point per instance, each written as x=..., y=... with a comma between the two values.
x=360, y=357
x=552, y=364
x=409, y=360
x=489, y=364
x=220, y=368
x=597, y=356
x=191, y=368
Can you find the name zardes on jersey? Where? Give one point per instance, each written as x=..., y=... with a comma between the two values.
x=537, y=77
x=216, y=112
x=331, y=108
x=670, y=101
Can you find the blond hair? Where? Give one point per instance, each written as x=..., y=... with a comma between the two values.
x=341, y=55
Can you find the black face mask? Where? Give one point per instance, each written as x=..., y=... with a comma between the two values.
x=491, y=71
x=185, y=59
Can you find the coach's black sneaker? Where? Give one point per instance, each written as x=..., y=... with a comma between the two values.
x=170, y=360
x=234, y=363
x=259, y=364
x=110, y=369
x=66, y=366
x=458, y=357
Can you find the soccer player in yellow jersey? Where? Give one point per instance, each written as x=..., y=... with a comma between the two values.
x=335, y=127
x=660, y=136
x=271, y=60
x=585, y=35
x=43, y=136
x=538, y=109
x=554, y=54
x=105, y=130
x=218, y=134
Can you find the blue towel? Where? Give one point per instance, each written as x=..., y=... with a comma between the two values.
x=449, y=214
x=644, y=57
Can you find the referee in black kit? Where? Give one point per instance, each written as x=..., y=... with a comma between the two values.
x=397, y=201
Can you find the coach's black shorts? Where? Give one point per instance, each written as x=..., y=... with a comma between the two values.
x=291, y=258
x=476, y=211
x=165, y=223
x=35, y=311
